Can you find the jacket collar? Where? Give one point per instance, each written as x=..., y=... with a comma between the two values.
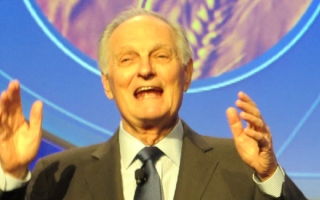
x=196, y=168
x=103, y=174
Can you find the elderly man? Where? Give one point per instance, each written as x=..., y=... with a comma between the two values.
x=146, y=67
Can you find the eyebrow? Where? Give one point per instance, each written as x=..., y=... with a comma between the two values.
x=125, y=48
x=130, y=48
x=161, y=45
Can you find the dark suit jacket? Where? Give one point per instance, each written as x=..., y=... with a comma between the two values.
x=210, y=169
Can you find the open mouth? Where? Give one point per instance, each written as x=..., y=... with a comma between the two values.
x=148, y=92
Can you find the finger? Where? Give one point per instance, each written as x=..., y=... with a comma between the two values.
x=13, y=86
x=234, y=121
x=246, y=98
x=261, y=139
x=248, y=107
x=3, y=107
x=10, y=106
x=253, y=121
x=14, y=96
x=10, y=98
x=14, y=92
x=3, y=100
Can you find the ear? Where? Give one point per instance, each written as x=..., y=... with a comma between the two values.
x=188, y=75
x=106, y=86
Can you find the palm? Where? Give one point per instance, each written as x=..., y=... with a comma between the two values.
x=253, y=143
x=255, y=156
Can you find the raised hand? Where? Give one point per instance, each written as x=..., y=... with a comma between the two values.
x=19, y=139
x=253, y=142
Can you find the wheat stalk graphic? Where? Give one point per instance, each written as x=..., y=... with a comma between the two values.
x=203, y=22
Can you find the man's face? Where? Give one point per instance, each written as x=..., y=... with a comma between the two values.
x=145, y=76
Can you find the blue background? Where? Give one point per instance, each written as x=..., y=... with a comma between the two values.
x=77, y=111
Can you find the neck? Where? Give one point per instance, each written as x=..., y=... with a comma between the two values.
x=150, y=133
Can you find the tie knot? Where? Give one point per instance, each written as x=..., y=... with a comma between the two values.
x=152, y=153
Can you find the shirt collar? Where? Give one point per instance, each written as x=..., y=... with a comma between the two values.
x=170, y=145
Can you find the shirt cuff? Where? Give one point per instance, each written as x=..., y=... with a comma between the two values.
x=9, y=183
x=272, y=186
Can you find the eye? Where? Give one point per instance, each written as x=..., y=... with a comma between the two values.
x=123, y=60
x=126, y=59
x=162, y=56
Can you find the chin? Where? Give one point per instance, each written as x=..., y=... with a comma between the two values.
x=157, y=118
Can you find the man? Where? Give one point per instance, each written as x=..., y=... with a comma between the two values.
x=146, y=66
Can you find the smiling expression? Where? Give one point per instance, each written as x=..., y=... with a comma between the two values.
x=145, y=75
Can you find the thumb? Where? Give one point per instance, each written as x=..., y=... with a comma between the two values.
x=234, y=120
x=36, y=117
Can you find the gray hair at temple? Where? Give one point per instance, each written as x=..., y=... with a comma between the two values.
x=182, y=44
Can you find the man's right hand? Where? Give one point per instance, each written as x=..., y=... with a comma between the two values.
x=19, y=139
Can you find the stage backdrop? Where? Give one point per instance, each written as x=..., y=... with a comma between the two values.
x=269, y=49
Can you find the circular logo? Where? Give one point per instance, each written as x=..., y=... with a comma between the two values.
x=230, y=41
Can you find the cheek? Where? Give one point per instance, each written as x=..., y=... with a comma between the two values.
x=175, y=83
x=121, y=79
x=177, y=79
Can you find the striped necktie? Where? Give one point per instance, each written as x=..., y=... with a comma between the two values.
x=150, y=189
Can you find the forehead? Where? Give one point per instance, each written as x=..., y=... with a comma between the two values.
x=141, y=32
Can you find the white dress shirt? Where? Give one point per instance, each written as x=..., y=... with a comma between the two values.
x=167, y=167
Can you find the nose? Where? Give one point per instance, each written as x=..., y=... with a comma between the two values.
x=146, y=70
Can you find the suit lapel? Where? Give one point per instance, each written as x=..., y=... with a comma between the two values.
x=103, y=175
x=196, y=168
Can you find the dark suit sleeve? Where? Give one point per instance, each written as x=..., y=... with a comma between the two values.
x=290, y=191
x=17, y=194
x=21, y=193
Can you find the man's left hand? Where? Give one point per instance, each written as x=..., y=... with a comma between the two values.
x=253, y=142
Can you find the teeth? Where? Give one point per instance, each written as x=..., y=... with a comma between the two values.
x=147, y=88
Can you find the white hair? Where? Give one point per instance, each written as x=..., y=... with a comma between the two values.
x=183, y=47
